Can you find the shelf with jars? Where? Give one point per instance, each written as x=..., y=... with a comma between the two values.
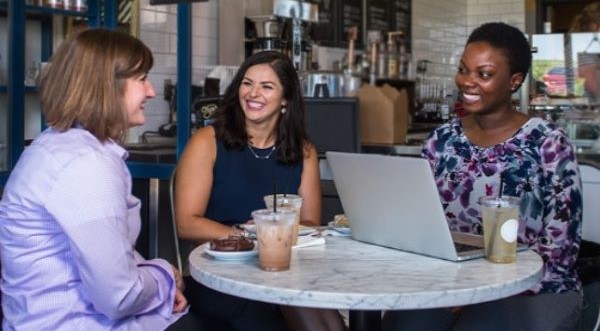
x=31, y=30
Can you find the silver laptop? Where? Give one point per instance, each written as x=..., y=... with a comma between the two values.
x=393, y=201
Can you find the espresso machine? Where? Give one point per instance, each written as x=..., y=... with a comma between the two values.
x=283, y=28
x=266, y=33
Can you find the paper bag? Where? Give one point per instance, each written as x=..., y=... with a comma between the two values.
x=383, y=115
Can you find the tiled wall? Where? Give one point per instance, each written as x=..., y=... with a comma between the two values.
x=509, y=11
x=439, y=31
x=440, y=28
x=158, y=29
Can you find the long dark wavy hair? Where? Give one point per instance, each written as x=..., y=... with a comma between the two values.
x=230, y=121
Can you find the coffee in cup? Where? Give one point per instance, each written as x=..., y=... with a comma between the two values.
x=274, y=231
x=500, y=227
x=289, y=201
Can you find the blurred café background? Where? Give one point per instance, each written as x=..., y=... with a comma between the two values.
x=378, y=75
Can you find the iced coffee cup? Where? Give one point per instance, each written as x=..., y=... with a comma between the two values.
x=500, y=227
x=274, y=231
x=289, y=201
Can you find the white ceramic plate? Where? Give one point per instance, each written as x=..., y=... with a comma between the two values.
x=340, y=229
x=306, y=230
x=302, y=231
x=232, y=256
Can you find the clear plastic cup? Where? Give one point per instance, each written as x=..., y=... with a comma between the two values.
x=288, y=201
x=500, y=227
x=274, y=231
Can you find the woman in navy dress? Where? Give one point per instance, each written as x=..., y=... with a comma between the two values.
x=258, y=138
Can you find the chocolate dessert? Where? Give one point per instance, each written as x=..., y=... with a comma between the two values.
x=232, y=244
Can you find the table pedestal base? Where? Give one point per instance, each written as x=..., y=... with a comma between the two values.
x=365, y=320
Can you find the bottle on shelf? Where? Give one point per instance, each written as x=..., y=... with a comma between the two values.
x=352, y=79
x=31, y=74
x=404, y=60
x=446, y=105
x=382, y=61
x=374, y=39
x=393, y=55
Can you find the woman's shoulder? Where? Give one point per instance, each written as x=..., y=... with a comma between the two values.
x=309, y=149
x=204, y=135
x=542, y=129
x=75, y=150
x=446, y=131
x=71, y=144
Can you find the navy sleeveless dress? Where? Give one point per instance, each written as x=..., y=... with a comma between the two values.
x=241, y=180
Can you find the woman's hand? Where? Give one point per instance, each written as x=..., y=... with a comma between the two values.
x=178, y=279
x=180, y=302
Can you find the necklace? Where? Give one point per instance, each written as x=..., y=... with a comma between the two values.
x=264, y=157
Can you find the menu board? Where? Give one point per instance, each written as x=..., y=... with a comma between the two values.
x=351, y=15
x=378, y=15
x=401, y=21
x=326, y=31
x=336, y=17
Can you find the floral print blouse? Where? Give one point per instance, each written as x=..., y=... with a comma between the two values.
x=539, y=166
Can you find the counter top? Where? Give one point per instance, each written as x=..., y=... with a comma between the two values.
x=152, y=153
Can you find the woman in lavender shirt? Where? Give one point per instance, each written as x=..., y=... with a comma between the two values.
x=68, y=220
x=538, y=163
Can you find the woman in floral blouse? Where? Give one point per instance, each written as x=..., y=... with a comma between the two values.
x=538, y=164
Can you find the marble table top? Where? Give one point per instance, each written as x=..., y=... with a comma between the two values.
x=348, y=274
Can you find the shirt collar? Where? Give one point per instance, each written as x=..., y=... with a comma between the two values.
x=110, y=144
x=117, y=149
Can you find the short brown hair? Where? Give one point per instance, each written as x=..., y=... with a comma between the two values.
x=84, y=82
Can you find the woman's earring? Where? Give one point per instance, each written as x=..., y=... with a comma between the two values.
x=283, y=109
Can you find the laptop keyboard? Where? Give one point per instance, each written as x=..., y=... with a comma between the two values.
x=465, y=248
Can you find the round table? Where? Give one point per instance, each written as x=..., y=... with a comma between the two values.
x=348, y=274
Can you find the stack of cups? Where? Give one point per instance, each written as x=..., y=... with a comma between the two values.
x=500, y=227
x=292, y=201
x=274, y=231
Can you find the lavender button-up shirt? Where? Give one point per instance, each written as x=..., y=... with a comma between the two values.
x=68, y=225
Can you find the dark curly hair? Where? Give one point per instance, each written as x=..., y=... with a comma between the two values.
x=230, y=121
x=510, y=40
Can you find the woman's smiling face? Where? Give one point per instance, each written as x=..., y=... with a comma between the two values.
x=261, y=94
x=484, y=80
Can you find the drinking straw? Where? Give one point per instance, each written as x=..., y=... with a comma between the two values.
x=494, y=229
x=274, y=196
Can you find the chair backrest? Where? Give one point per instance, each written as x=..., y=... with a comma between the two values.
x=174, y=220
x=590, y=180
x=183, y=248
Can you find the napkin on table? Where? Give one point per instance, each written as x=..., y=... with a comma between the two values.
x=307, y=241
